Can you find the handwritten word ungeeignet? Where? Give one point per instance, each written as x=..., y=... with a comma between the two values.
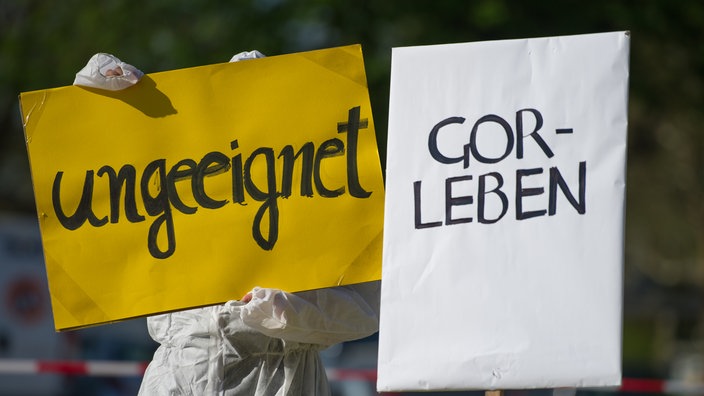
x=160, y=204
x=512, y=137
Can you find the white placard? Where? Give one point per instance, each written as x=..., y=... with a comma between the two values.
x=503, y=240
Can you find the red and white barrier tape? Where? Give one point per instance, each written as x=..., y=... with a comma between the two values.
x=73, y=367
x=107, y=368
x=661, y=386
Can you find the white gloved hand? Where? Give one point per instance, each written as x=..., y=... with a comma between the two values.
x=105, y=71
x=247, y=55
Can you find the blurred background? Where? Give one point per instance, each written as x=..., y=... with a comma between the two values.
x=44, y=43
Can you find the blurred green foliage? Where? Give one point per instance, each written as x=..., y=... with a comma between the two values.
x=44, y=43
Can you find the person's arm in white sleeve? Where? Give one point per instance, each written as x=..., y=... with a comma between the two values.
x=324, y=316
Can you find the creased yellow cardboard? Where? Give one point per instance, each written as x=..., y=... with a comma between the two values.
x=195, y=185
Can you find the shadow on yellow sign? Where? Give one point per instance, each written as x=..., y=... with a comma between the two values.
x=195, y=185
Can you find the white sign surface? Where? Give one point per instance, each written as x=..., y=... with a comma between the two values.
x=503, y=241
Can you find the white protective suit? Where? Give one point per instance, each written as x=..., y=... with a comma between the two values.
x=267, y=346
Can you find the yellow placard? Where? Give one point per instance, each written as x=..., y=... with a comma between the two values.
x=195, y=185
